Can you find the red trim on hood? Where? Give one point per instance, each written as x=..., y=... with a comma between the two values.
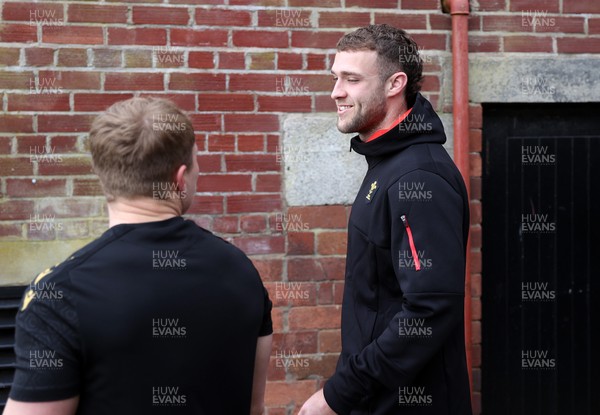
x=381, y=132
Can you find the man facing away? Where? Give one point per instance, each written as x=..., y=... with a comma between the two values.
x=157, y=316
x=403, y=346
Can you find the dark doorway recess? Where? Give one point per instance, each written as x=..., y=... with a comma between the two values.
x=541, y=253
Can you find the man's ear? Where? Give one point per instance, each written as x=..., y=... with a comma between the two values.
x=180, y=177
x=396, y=84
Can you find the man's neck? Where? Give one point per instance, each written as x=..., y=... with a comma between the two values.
x=141, y=210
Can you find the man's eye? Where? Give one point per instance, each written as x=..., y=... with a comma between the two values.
x=335, y=79
x=352, y=80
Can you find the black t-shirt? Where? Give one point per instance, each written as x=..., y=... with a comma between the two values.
x=160, y=317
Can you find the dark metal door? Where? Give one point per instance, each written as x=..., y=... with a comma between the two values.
x=541, y=247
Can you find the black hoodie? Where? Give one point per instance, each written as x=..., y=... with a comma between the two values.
x=403, y=349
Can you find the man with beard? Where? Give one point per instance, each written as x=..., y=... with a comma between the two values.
x=403, y=346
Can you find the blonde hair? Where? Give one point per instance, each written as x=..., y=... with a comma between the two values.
x=140, y=142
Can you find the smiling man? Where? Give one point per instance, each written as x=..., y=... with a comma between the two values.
x=402, y=317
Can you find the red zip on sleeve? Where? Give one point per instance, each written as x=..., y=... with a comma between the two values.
x=411, y=242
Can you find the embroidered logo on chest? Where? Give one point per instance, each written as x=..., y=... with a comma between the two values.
x=372, y=191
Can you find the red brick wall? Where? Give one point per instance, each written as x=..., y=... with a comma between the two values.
x=224, y=62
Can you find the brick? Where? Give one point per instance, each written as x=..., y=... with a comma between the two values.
x=290, y=18
x=484, y=43
x=107, y=58
x=321, y=317
x=206, y=205
x=72, y=35
x=87, y=187
x=331, y=243
x=9, y=56
x=38, y=102
x=594, y=26
x=301, y=243
x=321, y=366
x=251, y=122
x=441, y=21
x=197, y=82
x=64, y=123
x=251, y=162
x=551, y=6
x=39, y=56
x=260, y=38
x=253, y=223
x=378, y=4
x=269, y=269
x=72, y=57
x=137, y=58
x=160, y=15
x=261, y=60
x=315, y=39
x=475, y=210
x=71, y=79
x=475, y=188
x=476, y=285
x=327, y=217
x=476, y=263
x=578, y=45
x=430, y=41
x=475, y=143
x=513, y=23
x=203, y=60
x=314, y=3
x=198, y=38
x=34, y=13
x=206, y=122
x=344, y=19
x=324, y=103
x=420, y=5
x=16, y=166
x=136, y=36
x=225, y=183
x=168, y=58
x=16, y=123
x=5, y=145
x=221, y=142
x=253, y=203
x=222, y=17
x=404, y=21
x=134, y=81
x=260, y=245
x=330, y=341
x=492, y=5
x=287, y=394
x=527, y=44
x=267, y=103
x=226, y=224
x=26, y=143
x=15, y=209
x=559, y=24
x=16, y=80
x=325, y=293
x=95, y=13
x=66, y=165
x=316, y=62
x=209, y=163
x=268, y=183
x=18, y=33
x=251, y=143
x=475, y=116
x=287, y=60
x=263, y=3
x=310, y=269
x=70, y=208
x=225, y=102
x=11, y=230
x=302, y=341
x=64, y=144
x=475, y=164
x=232, y=60
x=580, y=7
x=39, y=188
x=96, y=101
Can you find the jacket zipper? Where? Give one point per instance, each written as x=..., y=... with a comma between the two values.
x=411, y=242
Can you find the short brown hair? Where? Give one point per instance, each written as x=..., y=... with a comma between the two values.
x=140, y=142
x=396, y=52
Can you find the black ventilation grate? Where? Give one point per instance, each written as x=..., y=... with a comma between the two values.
x=10, y=298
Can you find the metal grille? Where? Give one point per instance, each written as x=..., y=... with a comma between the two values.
x=10, y=297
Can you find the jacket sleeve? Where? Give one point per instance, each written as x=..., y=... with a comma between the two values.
x=427, y=222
